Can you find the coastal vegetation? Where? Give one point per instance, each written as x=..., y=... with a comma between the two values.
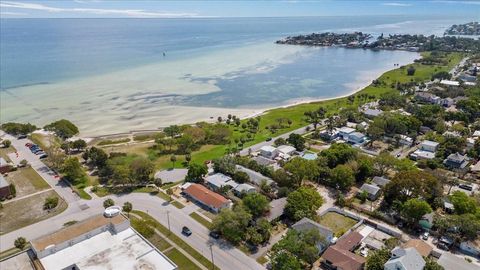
x=467, y=29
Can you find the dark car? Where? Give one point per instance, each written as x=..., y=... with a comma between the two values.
x=214, y=235
x=268, y=139
x=22, y=136
x=43, y=156
x=186, y=231
x=466, y=187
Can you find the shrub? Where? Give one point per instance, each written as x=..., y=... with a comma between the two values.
x=20, y=242
x=50, y=202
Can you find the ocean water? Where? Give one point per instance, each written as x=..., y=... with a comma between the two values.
x=113, y=75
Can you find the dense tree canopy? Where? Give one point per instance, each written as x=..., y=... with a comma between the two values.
x=256, y=204
x=18, y=128
x=413, y=184
x=303, y=202
x=196, y=172
x=62, y=128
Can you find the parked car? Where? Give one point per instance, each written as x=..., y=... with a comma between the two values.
x=425, y=235
x=21, y=136
x=40, y=152
x=214, y=234
x=37, y=151
x=466, y=187
x=32, y=146
x=43, y=156
x=364, y=252
x=28, y=144
x=186, y=231
x=268, y=139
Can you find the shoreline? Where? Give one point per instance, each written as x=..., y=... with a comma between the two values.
x=261, y=112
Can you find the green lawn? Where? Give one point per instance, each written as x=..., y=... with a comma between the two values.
x=262, y=260
x=177, y=240
x=338, y=223
x=201, y=220
x=177, y=204
x=5, y=151
x=35, y=179
x=181, y=260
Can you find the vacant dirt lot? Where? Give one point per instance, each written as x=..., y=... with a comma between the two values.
x=26, y=181
x=21, y=213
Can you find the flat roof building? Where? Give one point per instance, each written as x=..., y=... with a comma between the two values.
x=99, y=243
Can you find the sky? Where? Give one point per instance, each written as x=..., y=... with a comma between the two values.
x=233, y=8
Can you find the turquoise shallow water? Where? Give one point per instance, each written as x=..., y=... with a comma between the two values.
x=115, y=72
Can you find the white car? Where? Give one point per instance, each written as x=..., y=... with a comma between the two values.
x=364, y=252
x=112, y=211
x=425, y=235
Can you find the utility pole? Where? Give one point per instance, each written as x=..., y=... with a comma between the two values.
x=211, y=253
x=168, y=220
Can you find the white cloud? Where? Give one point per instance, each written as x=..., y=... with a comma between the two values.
x=7, y=13
x=395, y=4
x=95, y=11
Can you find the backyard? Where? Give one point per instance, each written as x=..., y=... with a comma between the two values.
x=338, y=223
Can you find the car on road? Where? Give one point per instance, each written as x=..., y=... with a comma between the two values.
x=425, y=235
x=43, y=156
x=214, y=234
x=466, y=187
x=40, y=152
x=186, y=231
x=21, y=136
x=28, y=144
x=268, y=139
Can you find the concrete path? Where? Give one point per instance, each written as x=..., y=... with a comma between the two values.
x=26, y=196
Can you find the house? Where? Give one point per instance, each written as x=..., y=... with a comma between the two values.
x=470, y=143
x=448, y=206
x=475, y=168
x=421, y=246
x=5, y=166
x=372, y=113
x=426, y=222
x=4, y=188
x=356, y=138
x=242, y=189
x=276, y=208
x=306, y=224
x=476, y=134
x=427, y=97
x=263, y=161
x=429, y=146
x=452, y=134
x=217, y=181
x=405, y=140
x=286, y=150
x=449, y=83
x=268, y=151
x=451, y=261
x=329, y=134
x=344, y=132
x=380, y=181
x=207, y=198
x=373, y=191
x=405, y=259
x=340, y=255
x=456, y=161
x=446, y=102
x=467, y=78
x=471, y=247
x=255, y=177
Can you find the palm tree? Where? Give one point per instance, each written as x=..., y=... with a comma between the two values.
x=127, y=207
x=173, y=158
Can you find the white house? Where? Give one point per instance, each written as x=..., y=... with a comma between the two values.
x=217, y=181
x=344, y=132
x=405, y=140
x=405, y=259
x=286, y=150
x=429, y=146
x=244, y=189
x=268, y=151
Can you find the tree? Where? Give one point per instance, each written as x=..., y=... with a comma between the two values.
x=50, y=202
x=232, y=223
x=241, y=177
x=414, y=209
x=6, y=143
x=256, y=204
x=73, y=171
x=301, y=244
x=280, y=141
x=374, y=133
x=62, y=128
x=108, y=202
x=188, y=158
x=196, y=172
x=140, y=169
x=304, y=202
x=225, y=165
x=18, y=128
x=127, y=207
x=13, y=189
x=297, y=141
x=432, y=265
x=20, y=243
x=463, y=204
x=285, y=261
x=339, y=153
x=376, y=259
x=79, y=144
x=302, y=169
x=172, y=131
x=314, y=117
x=173, y=159
x=384, y=163
x=23, y=163
x=410, y=71
x=412, y=184
x=169, y=193
x=96, y=156
x=342, y=177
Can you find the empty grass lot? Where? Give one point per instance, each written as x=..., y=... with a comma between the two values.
x=18, y=214
x=5, y=151
x=338, y=223
x=26, y=181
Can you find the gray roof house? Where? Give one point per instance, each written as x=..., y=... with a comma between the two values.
x=372, y=112
x=380, y=181
x=456, y=161
x=217, y=181
x=306, y=224
x=255, y=177
x=276, y=208
x=373, y=191
x=244, y=189
x=405, y=259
